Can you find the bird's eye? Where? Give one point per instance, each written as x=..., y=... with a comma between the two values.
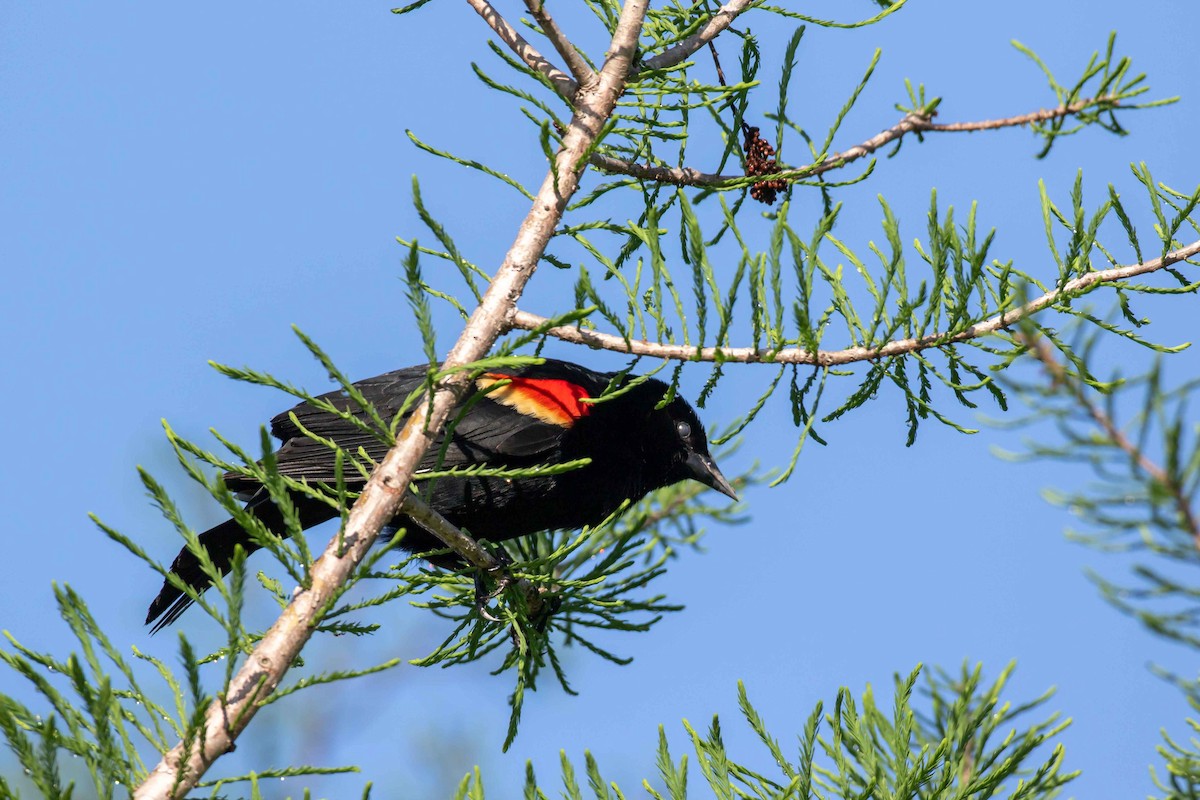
x=684, y=430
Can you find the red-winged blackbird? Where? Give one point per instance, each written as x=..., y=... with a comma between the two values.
x=531, y=416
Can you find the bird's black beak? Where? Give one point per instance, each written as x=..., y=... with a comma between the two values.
x=704, y=469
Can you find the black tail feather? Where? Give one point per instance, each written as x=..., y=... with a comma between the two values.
x=220, y=542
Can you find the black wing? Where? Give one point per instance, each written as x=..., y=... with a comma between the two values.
x=487, y=432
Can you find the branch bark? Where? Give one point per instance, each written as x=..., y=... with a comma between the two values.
x=825, y=358
x=182, y=766
x=719, y=21
x=563, y=83
x=910, y=123
x=571, y=57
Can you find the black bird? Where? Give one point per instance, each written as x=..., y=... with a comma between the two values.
x=526, y=416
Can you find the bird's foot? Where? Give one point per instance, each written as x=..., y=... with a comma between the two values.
x=548, y=606
x=542, y=603
x=503, y=581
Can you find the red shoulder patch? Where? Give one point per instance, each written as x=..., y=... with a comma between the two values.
x=551, y=400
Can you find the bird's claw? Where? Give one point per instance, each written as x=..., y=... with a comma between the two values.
x=551, y=603
x=482, y=595
x=503, y=581
x=547, y=607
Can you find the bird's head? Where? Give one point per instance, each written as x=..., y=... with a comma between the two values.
x=674, y=444
x=692, y=459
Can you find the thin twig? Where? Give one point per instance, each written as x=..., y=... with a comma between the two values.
x=1032, y=118
x=563, y=83
x=721, y=20
x=825, y=358
x=712, y=48
x=911, y=123
x=1042, y=351
x=575, y=62
x=182, y=766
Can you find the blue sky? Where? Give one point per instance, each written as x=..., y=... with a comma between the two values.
x=183, y=183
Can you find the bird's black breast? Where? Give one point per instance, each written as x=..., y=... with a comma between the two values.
x=498, y=509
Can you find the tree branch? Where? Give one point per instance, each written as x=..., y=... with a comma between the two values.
x=182, y=766
x=575, y=62
x=524, y=320
x=428, y=518
x=710, y=30
x=911, y=123
x=563, y=84
x=1042, y=351
x=471, y=552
